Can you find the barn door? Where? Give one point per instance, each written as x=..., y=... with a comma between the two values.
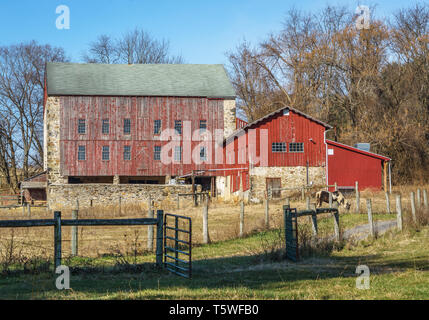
x=274, y=183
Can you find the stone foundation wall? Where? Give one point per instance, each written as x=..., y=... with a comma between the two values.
x=290, y=177
x=63, y=196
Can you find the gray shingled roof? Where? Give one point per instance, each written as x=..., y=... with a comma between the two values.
x=181, y=80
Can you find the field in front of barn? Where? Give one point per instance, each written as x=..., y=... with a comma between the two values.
x=113, y=262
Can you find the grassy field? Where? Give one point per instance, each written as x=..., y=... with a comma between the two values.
x=114, y=263
x=242, y=269
x=223, y=225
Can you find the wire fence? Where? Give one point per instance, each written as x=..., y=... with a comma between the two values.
x=109, y=245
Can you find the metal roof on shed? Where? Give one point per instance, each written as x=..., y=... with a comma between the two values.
x=177, y=80
x=366, y=153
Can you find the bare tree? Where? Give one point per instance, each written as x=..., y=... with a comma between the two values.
x=134, y=47
x=251, y=83
x=22, y=70
x=102, y=50
x=372, y=84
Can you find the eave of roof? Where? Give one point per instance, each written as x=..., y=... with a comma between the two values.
x=256, y=122
x=371, y=154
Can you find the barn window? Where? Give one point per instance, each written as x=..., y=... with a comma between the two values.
x=296, y=147
x=203, y=126
x=127, y=153
x=286, y=112
x=105, y=126
x=81, y=128
x=203, y=154
x=127, y=126
x=157, y=153
x=178, y=153
x=157, y=127
x=81, y=153
x=178, y=126
x=106, y=153
x=278, y=147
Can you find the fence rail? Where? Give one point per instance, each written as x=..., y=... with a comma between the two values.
x=57, y=223
x=303, y=189
x=18, y=199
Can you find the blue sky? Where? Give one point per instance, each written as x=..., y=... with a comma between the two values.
x=201, y=31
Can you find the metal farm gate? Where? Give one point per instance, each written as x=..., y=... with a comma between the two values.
x=291, y=233
x=178, y=245
x=291, y=227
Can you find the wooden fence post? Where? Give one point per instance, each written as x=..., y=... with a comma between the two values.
x=287, y=202
x=337, y=225
x=57, y=239
x=336, y=186
x=399, y=212
x=370, y=219
x=302, y=193
x=178, y=201
x=120, y=205
x=29, y=209
x=388, y=202
x=307, y=203
x=314, y=225
x=150, y=228
x=413, y=207
x=425, y=198
x=330, y=199
x=419, y=198
x=357, y=198
x=267, y=214
x=159, y=236
x=206, y=236
x=74, y=235
x=241, y=218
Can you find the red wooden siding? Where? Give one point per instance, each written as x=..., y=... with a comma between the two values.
x=239, y=178
x=240, y=123
x=348, y=165
x=142, y=111
x=284, y=128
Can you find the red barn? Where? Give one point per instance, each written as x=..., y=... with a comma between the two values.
x=286, y=148
x=296, y=154
x=133, y=124
x=348, y=165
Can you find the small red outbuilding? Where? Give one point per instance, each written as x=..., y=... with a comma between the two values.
x=347, y=165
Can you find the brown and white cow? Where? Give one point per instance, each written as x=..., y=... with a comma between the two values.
x=323, y=196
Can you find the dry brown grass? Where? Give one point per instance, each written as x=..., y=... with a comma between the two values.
x=223, y=224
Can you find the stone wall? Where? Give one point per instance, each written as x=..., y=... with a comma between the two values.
x=52, y=140
x=290, y=177
x=229, y=116
x=63, y=196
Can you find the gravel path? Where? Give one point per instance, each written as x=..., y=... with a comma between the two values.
x=361, y=232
